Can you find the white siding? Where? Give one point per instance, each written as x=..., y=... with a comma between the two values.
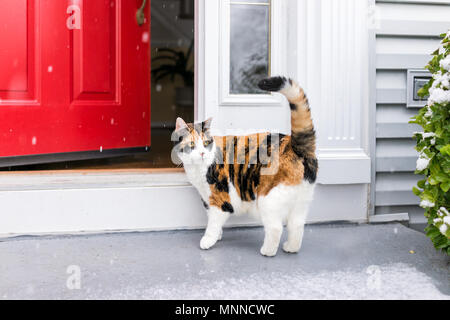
x=407, y=34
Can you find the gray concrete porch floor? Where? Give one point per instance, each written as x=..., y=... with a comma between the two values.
x=336, y=262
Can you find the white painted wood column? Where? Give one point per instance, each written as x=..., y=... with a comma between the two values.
x=332, y=47
x=323, y=44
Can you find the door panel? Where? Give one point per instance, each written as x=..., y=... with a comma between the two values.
x=96, y=52
x=17, y=53
x=84, y=89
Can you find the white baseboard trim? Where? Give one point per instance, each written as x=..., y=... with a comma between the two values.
x=343, y=166
x=111, y=204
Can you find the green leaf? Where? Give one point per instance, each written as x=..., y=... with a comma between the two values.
x=416, y=191
x=445, y=186
x=446, y=150
x=432, y=234
x=421, y=183
x=433, y=181
x=422, y=92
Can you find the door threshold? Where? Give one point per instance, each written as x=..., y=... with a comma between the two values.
x=92, y=171
x=92, y=178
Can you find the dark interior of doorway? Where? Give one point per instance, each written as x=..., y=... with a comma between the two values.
x=172, y=30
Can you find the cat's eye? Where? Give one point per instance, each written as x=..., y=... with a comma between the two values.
x=192, y=144
x=206, y=143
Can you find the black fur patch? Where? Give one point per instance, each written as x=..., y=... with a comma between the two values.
x=222, y=185
x=302, y=141
x=205, y=204
x=311, y=166
x=227, y=207
x=212, y=177
x=250, y=173
x=231, y=172
x=293, y=106
x=240, y=179
x=272, y=84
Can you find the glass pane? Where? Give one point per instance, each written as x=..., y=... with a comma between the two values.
x=250, y=39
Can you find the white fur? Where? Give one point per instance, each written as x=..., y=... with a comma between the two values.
x=283, y=204
x=291, y=91
x=197, y=166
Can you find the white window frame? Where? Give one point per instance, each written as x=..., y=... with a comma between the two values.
x=277, y=50
x=213, y=58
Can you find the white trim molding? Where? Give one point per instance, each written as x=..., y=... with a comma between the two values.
x=343, y=166
x=64, y=203
x=333, y=46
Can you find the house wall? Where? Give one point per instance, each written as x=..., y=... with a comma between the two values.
x=406, y=33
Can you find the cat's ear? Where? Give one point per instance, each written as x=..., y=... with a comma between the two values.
x=206, y=125
x=180, y=124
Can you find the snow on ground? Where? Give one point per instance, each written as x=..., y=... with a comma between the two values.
x=395, y=281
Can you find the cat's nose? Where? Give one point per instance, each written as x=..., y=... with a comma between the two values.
x=202, y=154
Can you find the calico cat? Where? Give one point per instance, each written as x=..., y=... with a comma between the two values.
x=269, y=175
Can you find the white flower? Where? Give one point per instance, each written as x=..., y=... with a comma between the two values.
x=447, y=220
x=440, y=79
x=444, y=211
x=426, y=135
x=426, y=204
x=439, y=96
x=443, y=228
x=422, y=164
x=445, y=83
x=429, y=112
x=445, y=63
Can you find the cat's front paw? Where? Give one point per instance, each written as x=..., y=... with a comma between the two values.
x=289, y=248
x=207, y=242
x=268, y=251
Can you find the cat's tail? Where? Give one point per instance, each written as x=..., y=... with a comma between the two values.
x=303, y=137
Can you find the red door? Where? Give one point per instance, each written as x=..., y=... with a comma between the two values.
x=74, y=76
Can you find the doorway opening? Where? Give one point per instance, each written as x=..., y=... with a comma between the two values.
x=172, y=92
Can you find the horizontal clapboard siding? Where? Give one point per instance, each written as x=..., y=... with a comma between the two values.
x=402, y=61
x=412, y=28
x=407, y=33
x=394, y=189
x=392, y=121
x=395, y=155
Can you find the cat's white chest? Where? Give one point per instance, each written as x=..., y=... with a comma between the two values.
x=197, y=177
